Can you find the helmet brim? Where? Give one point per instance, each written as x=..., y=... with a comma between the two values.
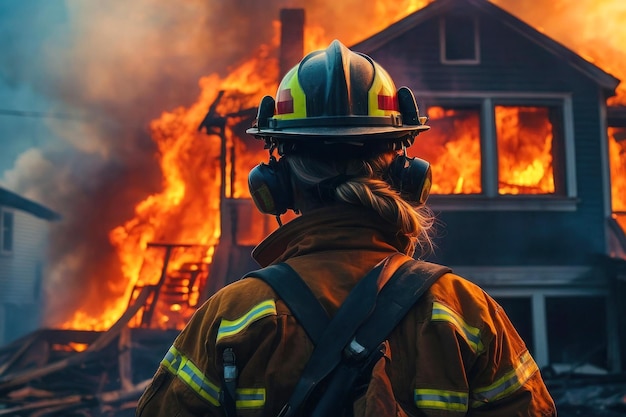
x=337, y=133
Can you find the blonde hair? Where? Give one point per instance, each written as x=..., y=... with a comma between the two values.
x=364, y=185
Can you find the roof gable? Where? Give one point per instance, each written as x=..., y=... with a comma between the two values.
x=13, y=200
x=439, y=7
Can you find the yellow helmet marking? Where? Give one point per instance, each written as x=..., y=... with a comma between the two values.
x=291, y=100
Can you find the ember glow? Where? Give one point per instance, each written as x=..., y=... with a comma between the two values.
x=186, y=211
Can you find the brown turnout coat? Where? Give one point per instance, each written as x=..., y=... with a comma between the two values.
x=456, y=353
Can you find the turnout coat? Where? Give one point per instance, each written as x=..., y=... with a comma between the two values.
x=455, y=353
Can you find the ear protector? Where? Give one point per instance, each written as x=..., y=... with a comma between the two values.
x=270, y=187
x=272, y=193
x=411, y=177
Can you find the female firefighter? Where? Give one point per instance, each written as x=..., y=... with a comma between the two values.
x=340, y=128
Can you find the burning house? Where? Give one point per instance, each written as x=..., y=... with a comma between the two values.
x=529, y=188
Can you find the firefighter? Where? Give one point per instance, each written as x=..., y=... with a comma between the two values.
x=340, y=129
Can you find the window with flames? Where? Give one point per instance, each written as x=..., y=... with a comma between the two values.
x=495, y=149
x=617, y=156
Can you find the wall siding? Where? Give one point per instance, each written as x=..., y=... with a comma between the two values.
x=22, y=268
x=509, y=62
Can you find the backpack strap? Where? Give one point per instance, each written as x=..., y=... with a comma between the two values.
x=349, y=342
x=300, y=300
x=396, y=298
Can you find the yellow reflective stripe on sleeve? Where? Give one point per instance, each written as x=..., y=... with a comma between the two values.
x=441, y=399
x=507, y=384
x=230, y=328
x=182, y=367
x=250, y=397
x=471, y=334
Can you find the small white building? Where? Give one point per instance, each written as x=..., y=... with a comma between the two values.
x=24, y=226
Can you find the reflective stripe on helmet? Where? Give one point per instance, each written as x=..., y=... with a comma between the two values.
x=441, y=399
x=471, y=334
x=508, y=383
x=382, y=100
x=232, y=327
x=290, y=98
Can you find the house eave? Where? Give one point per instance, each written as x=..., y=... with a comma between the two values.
x=15, y=201
x=605, y=80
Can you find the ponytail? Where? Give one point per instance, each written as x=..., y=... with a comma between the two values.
x=361, y=183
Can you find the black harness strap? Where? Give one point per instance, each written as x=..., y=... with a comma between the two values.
x=373, y=308
x=298, y=296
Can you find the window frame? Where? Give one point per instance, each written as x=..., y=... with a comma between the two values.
x=489, y=198
x=541, y=282
x=3, y=249
x=443, y=42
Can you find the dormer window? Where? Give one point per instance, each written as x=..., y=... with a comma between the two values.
x=459, y=40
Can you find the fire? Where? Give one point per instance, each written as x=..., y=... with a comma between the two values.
x=617, y=155
x=452, y=147
x=187, y=210
x=524, y=140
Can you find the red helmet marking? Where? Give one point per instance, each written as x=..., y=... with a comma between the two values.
x=387, y=102
x=284, y=105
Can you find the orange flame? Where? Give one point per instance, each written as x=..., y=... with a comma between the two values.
x=617, y=155
x=452, y=147
x=187, y=210
x=524, y=139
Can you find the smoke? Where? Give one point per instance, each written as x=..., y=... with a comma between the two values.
x=106, y=69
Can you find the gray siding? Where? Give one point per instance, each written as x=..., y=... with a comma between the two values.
x=20, y=271
x=21, y=274
x=510, y=62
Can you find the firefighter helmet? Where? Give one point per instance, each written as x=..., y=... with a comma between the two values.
x=338, y=96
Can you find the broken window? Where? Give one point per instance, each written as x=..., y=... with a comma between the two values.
x=452, y=146
x=527, y=137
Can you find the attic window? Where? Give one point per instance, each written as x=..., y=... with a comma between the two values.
x=6, y=231
x=459, y=40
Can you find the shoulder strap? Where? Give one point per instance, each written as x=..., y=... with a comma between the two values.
x=373, y=308
x=300, y=300
x=401, y=292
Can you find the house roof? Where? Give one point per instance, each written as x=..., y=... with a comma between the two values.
x=11, y=199
x=438, y=7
